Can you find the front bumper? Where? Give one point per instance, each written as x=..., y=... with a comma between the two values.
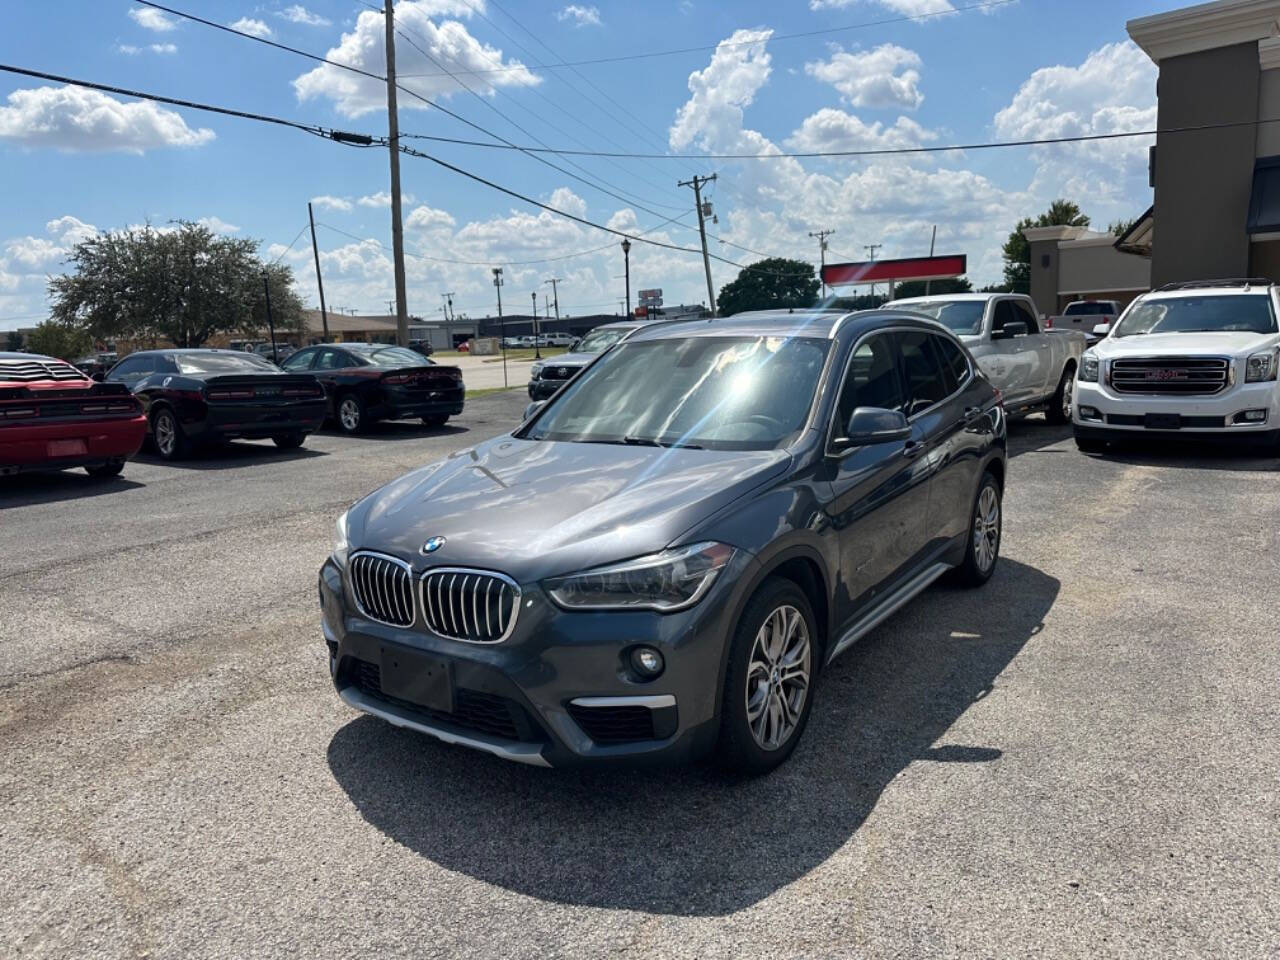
x=544, y=389
x=25, y=448
x=1101, y=413
x=555, y=692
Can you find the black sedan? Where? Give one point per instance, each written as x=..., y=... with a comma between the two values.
x=367, y=382
x=195, y=397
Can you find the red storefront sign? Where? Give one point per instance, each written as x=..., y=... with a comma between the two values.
x=883, y=271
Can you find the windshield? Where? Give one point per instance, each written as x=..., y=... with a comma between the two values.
x=392, y=357
x=1089, y=309
x=221, y=363
x=963, y=317
x=1246, y=313
x=727, y=393
x=598, y=341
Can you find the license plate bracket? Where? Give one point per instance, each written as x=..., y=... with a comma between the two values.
x=417, y=677
x=1162, y=421
x=67, y=448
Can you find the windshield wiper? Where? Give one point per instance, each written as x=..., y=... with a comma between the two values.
x=630, y=441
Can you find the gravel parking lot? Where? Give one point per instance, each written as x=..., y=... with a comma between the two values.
x=1078, y=760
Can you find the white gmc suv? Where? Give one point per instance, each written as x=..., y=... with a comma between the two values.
x=1191, y=359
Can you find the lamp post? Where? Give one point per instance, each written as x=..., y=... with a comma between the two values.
x=626, y=255
x=271, y=327
x=537, y=352
x=502, y=326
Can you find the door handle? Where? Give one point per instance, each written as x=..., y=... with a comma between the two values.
x=913, y=448
x=971, y=414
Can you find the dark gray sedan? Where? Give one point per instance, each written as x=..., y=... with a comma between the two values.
x=659, y=563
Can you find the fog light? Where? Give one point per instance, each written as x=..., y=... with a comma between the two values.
x=1251, y=416
x=1090, y=413
x=646, y=662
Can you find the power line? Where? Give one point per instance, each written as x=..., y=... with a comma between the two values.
x=826, y=31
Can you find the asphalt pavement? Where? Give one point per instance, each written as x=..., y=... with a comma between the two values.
x=1079, y=760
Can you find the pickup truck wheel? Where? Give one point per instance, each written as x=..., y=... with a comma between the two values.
x=768, y=686
x=985, y=527
x=1059, y=410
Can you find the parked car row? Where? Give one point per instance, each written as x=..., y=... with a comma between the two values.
x=54, y=416
x=541, y=340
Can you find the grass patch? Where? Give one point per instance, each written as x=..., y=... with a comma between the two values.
x=485, y=391
x=512, y=355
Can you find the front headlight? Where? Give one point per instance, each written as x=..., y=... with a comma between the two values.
x=535, y=371
x=667, y=581
x=340, y=544
x=1260, y=367
x=1089, y=368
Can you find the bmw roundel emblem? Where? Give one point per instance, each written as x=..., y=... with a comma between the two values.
x=432, y=545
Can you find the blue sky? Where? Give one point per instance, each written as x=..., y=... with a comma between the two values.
x=75, y=162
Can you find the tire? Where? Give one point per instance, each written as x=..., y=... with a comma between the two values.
x=289, y=441
x=986, y=523
x=1091, y=446
x=436, y=421
x=1059, y=410
x=349, y=413
x=171, y=442
x=104, y=471
x=750, y=743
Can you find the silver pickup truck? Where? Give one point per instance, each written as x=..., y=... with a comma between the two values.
x=1033, y=368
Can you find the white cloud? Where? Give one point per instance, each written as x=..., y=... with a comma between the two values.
x=218, y=225
x=300, y=14
x=581, y=16
x=908, y=8
x=255, y=28
x=152, y=19
x=382, y=199
x=885, y=77
x=568, y=201
x=128, y=49
x=831, y=130
x=426, y=218
x=164, y=48
x=72, y=118
x=447, y=42
x=720, y=93
x=332, y=203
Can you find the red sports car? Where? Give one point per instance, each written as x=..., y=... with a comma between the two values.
x=53, y=417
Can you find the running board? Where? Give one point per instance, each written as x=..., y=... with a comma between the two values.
x=888, y=607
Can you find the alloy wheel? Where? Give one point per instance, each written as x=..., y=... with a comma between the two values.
x=1068, y=395
x=166, y=433
x=349, y=413
x=986, y=528
x=778, y=677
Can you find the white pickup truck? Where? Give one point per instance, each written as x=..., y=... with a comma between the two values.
x=1034, y=369
x=1085, y=315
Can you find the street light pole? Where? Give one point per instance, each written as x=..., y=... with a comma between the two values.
x=502, y=326
x=555, y=296
x=537, y=354
x=626, y=254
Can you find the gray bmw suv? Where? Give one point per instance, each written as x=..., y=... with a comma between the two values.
x=659, y=563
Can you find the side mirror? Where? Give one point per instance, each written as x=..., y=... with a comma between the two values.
x=533, y=408
x=1015, y=329
x=1102, y=329
x=872, y=425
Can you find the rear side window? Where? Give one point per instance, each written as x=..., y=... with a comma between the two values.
x=131, y=367
x=872, y=379
x=300, y=361
x=955, y=365
x=927, y=382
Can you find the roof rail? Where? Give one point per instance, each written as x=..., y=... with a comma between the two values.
x=1204, y=284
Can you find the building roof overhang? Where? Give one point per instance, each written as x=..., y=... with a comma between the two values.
x=1206, y=26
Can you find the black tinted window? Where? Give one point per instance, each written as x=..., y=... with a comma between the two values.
x=872, y=380
x=300, y=360
x=336, y=360
x=953, y=360
x=926, y=382
x=1024, y=313
x=130, y=366
x=1004, y=314
x=233, y=362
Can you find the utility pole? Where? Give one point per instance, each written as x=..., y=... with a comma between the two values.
x=871, y=248
x=271, y=327
x=555, y=293
x=397, y=227
x=502, y=326
x=821, y=236
x=928, y=284
x=324, y=314
x=535, y=320
x=698, y=183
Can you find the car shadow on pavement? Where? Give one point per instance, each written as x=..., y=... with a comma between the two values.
x=1036, y=435
x=1189, y=455
x=31, y=489
x=397, y=430
x=692, y=840
x=230, y=456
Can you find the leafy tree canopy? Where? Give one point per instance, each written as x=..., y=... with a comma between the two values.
x=919, y=288
x=769, y=285
x=64, y=341
x=13, y=342
x=182, y=285
x=1017, y=252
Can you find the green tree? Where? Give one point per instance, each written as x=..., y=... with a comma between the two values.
x=1121, y=227
x=183, y=285
x=13, y=342
x=64, y=341
x=769, y=284
x=918, y=288
x=1017, y=252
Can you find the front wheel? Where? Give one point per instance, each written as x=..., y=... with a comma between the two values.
x=103, y=471
x=1059, y=409
x=983, y=548
x=767, y=692
x=289, y=441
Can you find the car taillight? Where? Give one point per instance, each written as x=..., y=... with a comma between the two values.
x=396, y=378
x=999, y=396
x=302, y=391
x=1048, y=323
x=246, y=394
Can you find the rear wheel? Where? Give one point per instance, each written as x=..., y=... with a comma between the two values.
x=1059, y=410
x=171, y=442
x=289, y=441
x=350, y=413
x=103, y=471
x=435, y=421
x=985, y=526
x=767, y=692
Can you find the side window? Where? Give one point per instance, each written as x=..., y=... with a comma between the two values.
x=953, y=361
x=332, y=360
x=300, y=361
x=1004, y=314
x=165, y=365
x=872, y=379
x=927, y=383
x=1022, y=312
x=131, y=368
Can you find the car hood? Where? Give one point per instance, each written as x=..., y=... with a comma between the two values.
x=533, y=509
x=1228, y=343
x=569, y=360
